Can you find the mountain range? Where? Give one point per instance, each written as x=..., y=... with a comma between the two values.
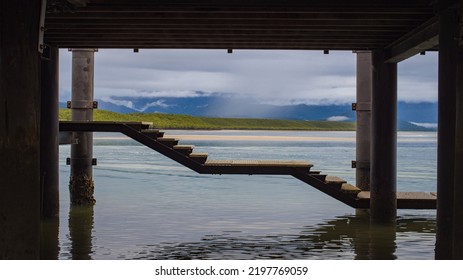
x=411, y=116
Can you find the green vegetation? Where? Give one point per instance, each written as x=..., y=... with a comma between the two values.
x=171, y=121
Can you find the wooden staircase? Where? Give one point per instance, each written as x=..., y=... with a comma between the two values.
x=199, y=162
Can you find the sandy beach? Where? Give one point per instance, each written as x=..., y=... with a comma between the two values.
x=256, y=138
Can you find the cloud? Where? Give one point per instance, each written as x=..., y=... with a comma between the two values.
x=337, y=119
x=125, y=103
x=426, y=125
x=160, y=103
x=278, y=77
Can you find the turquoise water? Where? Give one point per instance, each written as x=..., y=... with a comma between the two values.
x=149, y=207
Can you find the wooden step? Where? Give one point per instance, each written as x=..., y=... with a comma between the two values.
x=153, y=133
x=267, y=163
x=146, y=125
x=184, y=149
x=335, y=181
x=319, y=176
x=314, y=172
x=139, y=125
x=199, y=157
x=350, y=189
x=169, y=142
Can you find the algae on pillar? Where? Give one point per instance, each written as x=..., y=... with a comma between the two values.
x=81, y=185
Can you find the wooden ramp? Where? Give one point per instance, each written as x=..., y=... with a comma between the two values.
x=199, y=162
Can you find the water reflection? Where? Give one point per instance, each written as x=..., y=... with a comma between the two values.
x=347, y=237
x=49, y=238
x=80, y=232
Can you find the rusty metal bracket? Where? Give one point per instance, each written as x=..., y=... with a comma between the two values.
x=361, y=164
x=361, y=106
x=82, y=104
x=43, y=10
x=72, y=160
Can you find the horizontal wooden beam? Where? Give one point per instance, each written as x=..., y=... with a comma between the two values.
x=222, y=15
x=257, y=35
x=264, y=4
x=51, y=22
x=205, y=45
x=423, y=38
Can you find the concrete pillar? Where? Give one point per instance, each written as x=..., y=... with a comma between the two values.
x=383, y=203
x=81, y=183
x=363, y=111
x=49, y=133
x=448, y=25
x=19, y=129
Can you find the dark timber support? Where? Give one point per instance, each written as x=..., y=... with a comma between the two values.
x=49, y=133
x=363, y=111
x=81, y=184
x=458, y=193
x=383, y=203
x=448, y=46
x=19, y=129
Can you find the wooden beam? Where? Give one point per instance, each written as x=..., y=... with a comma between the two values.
x=423, y=38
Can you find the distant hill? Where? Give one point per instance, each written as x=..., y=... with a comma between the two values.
x=177, y=121
x=412, y=116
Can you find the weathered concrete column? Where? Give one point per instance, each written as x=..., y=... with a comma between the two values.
x=81, y=184
x=19, y=129
x=363, y=111
x=383, y=203
x=49, y=133
x=448, y=46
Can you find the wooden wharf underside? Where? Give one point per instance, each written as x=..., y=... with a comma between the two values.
x=331, y=185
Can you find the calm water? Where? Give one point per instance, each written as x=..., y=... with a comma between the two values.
x=149, y=207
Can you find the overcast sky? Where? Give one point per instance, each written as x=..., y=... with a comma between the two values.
x=277, y=77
